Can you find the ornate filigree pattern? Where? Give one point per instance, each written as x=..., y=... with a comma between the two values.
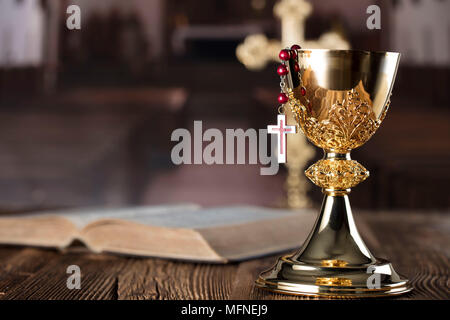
x=345, y=125
x=336, y=174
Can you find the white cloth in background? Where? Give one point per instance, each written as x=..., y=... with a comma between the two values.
x=421, y=32
x=21, y=33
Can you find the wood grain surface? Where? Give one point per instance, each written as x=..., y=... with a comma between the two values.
x=417, y=244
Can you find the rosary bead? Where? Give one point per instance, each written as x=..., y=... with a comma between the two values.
x=282, y=70
x=284, y=55
x=282, y=98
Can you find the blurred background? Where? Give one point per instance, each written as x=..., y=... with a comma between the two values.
x=86, y=115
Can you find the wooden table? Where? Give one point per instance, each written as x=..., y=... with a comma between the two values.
x=416, y=243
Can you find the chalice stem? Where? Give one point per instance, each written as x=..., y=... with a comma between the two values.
x=334, y=240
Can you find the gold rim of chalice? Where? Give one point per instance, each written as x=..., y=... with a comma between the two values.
x=340, y=97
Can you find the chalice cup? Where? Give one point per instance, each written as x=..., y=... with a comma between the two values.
x=339, y=99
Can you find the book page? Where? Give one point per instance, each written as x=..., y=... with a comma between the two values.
x=60, y=227
x=83, y=217
x=211, y=217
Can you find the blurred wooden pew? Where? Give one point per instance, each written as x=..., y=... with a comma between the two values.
x=85, y=147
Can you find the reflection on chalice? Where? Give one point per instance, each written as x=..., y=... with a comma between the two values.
x=339, y=99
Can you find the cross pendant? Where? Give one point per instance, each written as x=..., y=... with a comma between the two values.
x=281, y=130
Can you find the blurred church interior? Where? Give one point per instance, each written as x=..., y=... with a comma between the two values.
x=86, y=115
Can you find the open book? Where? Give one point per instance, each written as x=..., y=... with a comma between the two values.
x=185, y=232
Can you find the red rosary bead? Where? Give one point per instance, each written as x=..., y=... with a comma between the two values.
x=282, y=70
x=284, y=55
x=296, y=67
x=283, y=98
x=303, y=91
x=295, y=47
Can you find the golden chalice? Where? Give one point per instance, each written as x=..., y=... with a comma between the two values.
x=339, y=99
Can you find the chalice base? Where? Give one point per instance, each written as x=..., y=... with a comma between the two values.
x=291, y=277
x=334, y=262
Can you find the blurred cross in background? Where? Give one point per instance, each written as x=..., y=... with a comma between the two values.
x=257, y=50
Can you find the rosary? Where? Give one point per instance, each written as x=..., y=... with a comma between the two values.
x=282, y=129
